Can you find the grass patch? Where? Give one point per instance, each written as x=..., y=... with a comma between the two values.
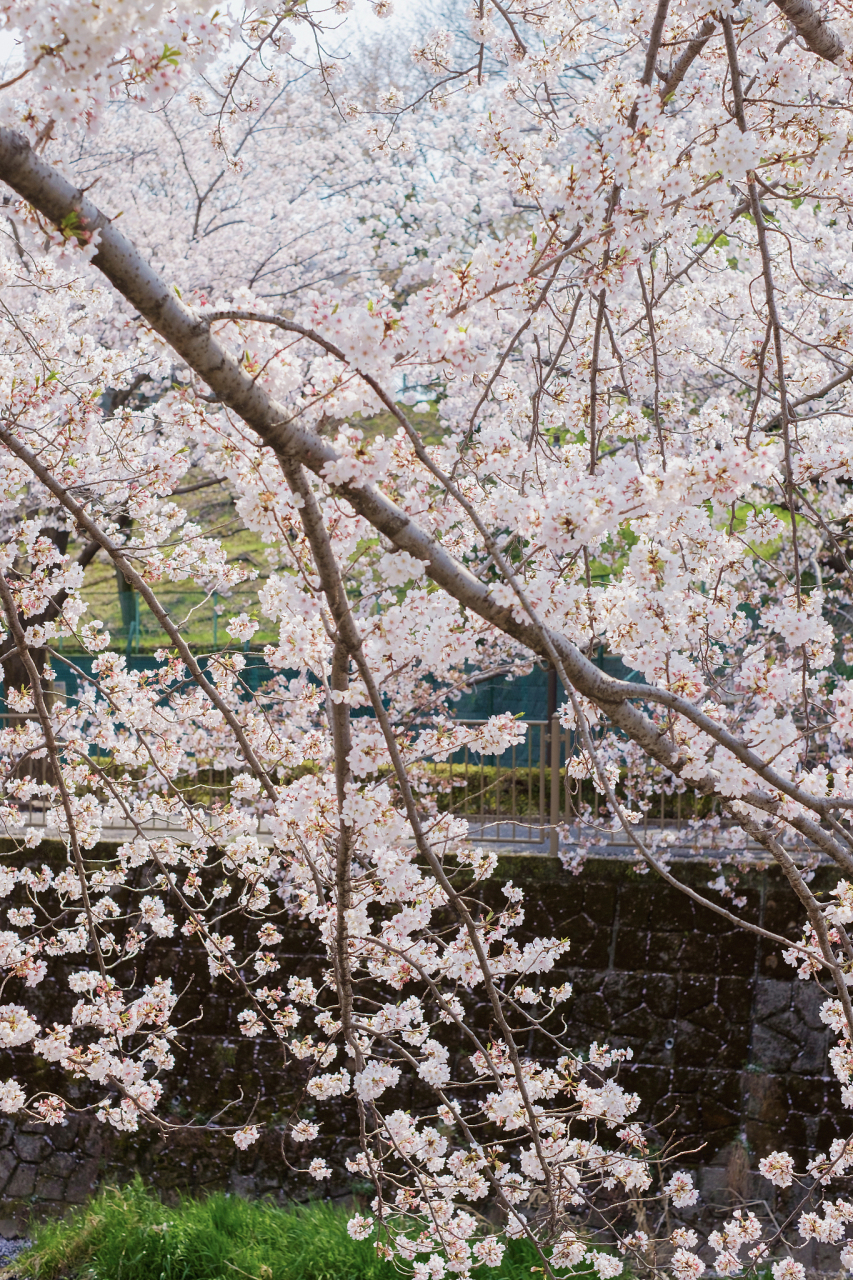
x=213, y=508
x=128, y=1234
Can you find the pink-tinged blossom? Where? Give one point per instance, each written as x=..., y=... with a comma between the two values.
x=374, y=1079
x=681, y=1190
x=489, y=1252
x=606, y=1264
x=686, y=1265
x=12, y=1096
x=569, y=1250
x=304, y=1131
x=250, y=1023
x=244, y=1137
x=51, y=1109
x=778, y=1167
x=16, y=1026
x=241, y=628
x=788, y=1269
x=330, y=1085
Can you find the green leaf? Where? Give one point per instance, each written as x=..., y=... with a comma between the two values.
x=72, y=225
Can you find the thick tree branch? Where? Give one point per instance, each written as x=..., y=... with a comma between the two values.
x=813, y=30
x=683, y=64
x=189, y=335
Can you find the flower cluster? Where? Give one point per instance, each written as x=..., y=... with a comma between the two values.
x=617, y=300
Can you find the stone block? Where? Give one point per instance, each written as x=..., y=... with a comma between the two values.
x=59, y=1164
x=13, y=1219
x=720, y=1096
x=631, y=950
x=48, y=1188
x=807, y=1002
x=772, y=997
x=734, y=994
x=826, y=1128
x=96, y=1139
x=242, y=1184
x=22, y=1181
x=599, y=903
x=736, y=954
x=8, y=1160
x=31, y=1146
x=766, y=1098
x=698, y=954
x=696, y=991
x=811, y=1058
x=64, y=1136
x=82, y=1182
x=590, y=942
x=635, y=908
x=793, y=1135
x=664, y=950
x=773, y=1049
x=812, y=1095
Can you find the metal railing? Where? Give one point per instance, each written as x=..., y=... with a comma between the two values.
x=503, y=797
x=521, y=798
x=516, y=798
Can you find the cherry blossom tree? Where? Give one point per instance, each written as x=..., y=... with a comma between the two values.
x=608, y=245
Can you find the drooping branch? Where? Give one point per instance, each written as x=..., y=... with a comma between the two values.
x=17, y=632
x=121, y=562
x=350, y=639
x=189, y=335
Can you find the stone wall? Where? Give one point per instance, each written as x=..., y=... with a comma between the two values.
x=729, y=1050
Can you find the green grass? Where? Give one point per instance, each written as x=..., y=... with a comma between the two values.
x=128, y=1234
x=214, y=510
x=185, y=602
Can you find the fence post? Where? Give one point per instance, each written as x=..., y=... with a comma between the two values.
x=555, y=782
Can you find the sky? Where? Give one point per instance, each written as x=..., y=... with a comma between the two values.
x=405, y=14
x=362, y=18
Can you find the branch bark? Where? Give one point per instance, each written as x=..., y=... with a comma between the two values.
x=189, y=335
x=688, y=57
x=813, y=30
